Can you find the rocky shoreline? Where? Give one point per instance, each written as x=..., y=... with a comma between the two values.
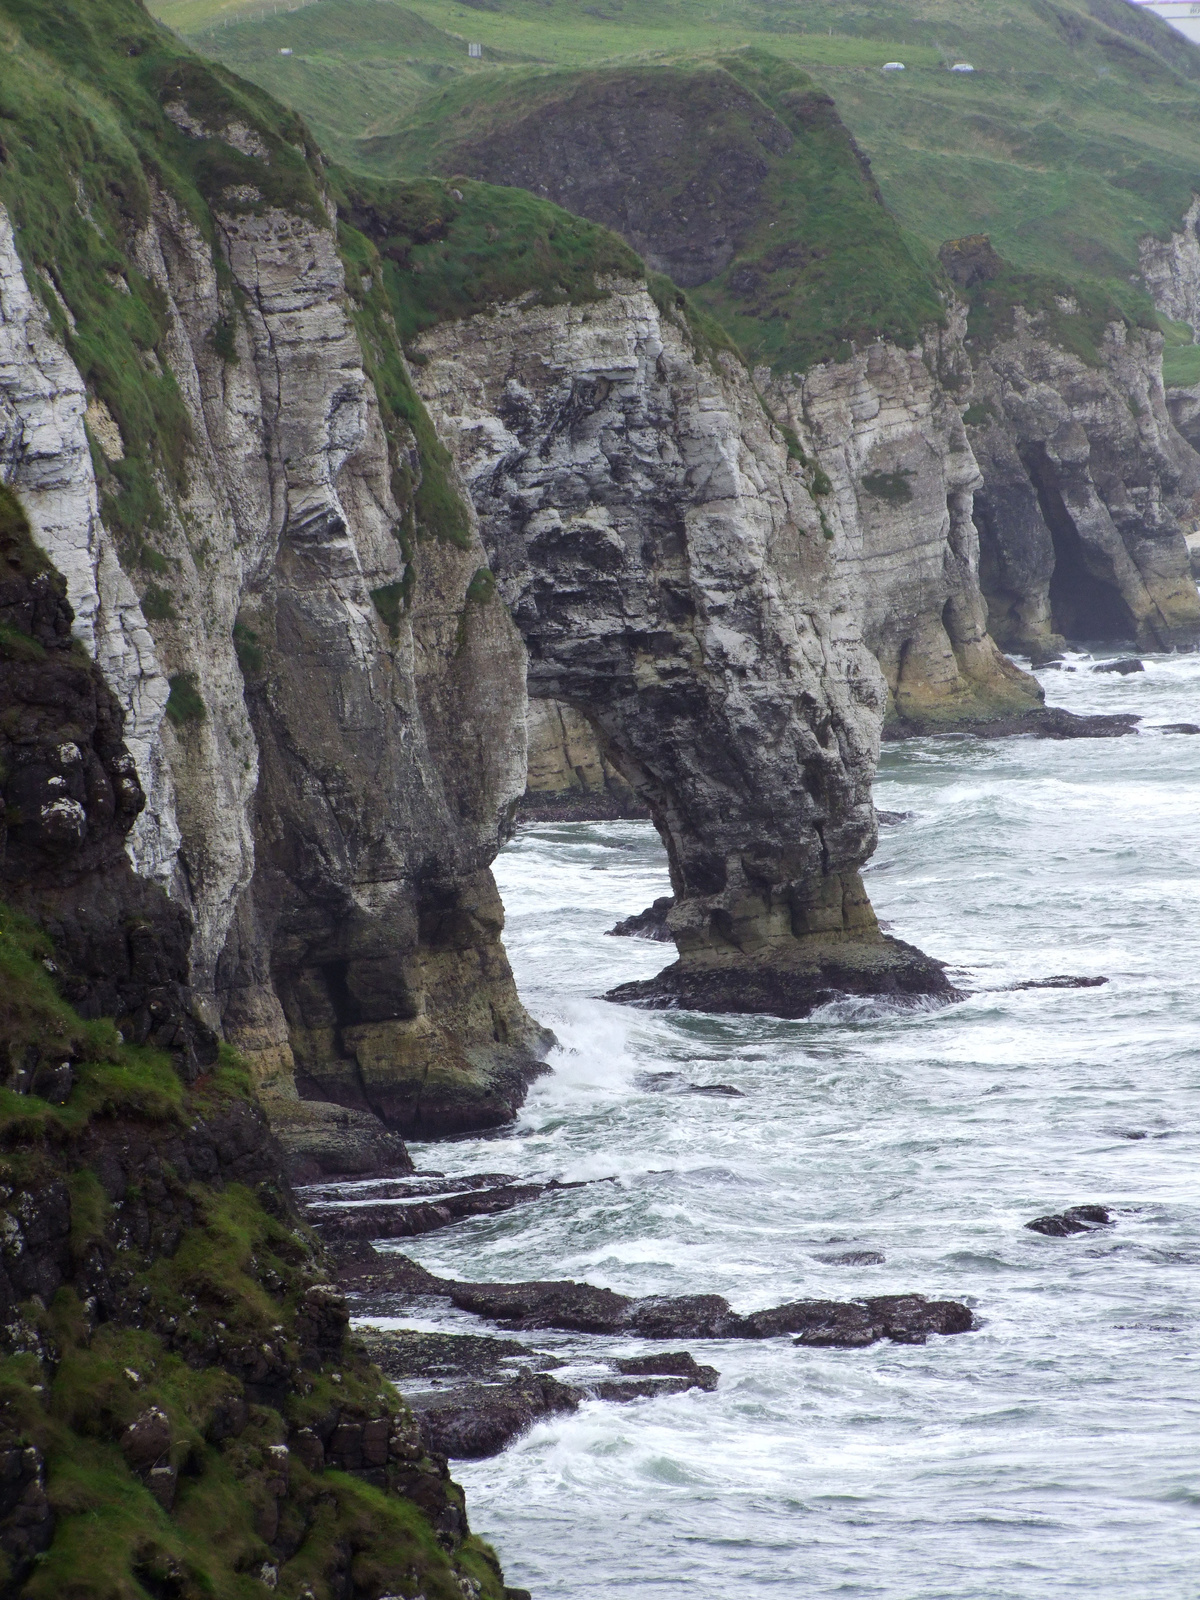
x=472, y=1394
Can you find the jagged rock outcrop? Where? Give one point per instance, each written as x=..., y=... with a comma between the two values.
x=665, y=561
x=1084, y=474
x=1171, y=273
x=1171, y=269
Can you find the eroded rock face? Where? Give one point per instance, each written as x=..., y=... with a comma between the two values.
x=666, y=564
x=890, y=440
x=1085, y=478
x=366, y=942
x=45, y=459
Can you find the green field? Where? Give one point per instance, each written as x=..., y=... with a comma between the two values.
x=1078, y=132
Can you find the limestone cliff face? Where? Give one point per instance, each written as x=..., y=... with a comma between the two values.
x=665, y=561
x=1171, y=272
x=348, y=736
x=682, y=165
x=889, y=440
x=45, y=458
x=1171, y=269
x=1085, y=479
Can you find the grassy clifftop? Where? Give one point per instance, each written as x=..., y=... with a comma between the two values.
x=1078, y=132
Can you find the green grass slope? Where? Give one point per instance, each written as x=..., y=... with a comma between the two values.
x=746, y=187
x=1078, y=132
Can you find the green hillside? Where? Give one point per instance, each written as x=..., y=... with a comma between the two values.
x=1077, y=133
x=746, y=189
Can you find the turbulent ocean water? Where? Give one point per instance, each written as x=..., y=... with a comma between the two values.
x=1056, y=1450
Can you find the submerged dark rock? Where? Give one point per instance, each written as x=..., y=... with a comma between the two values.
x=583, y=1308
x=1043, y=722
x=1124, y=666
x=1180, y=727
x=676, y=1083
x=1061, y=980
x=1075, y=1219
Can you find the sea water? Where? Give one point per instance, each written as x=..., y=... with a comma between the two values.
x=1055, y=1450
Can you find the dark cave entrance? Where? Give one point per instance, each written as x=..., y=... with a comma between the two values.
x=1083, y=606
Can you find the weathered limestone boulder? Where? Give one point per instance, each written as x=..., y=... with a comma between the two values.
x=665, y=561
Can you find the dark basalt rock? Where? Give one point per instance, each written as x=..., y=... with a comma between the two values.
x=900, y=972
x=1076, y=1219
x=625, y=1389
x=405, y=1353
x=1061, y=980
x=1180, y=727
x=480, y=1420
x=669, y=1364
x=583, y=1308
x=889, y=819
x=406, y=1222
x=854, y=1258
x=720, y=1091
x=1125, y=666
x=648, y=924
x=1042, y=722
